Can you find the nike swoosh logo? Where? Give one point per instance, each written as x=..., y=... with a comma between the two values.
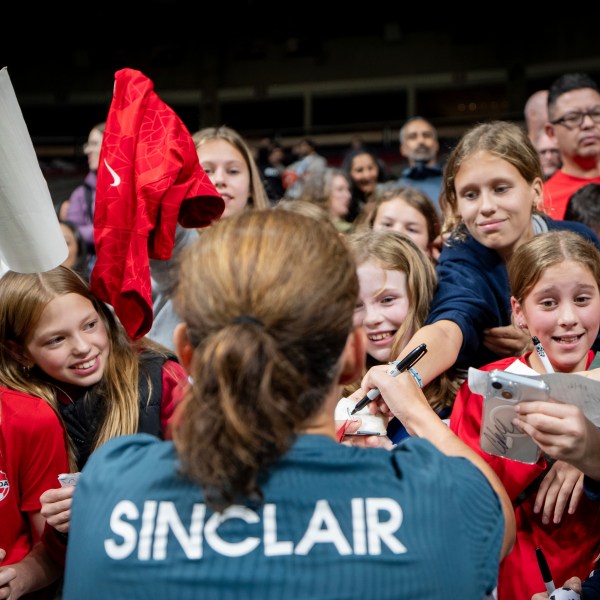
x=116, y=178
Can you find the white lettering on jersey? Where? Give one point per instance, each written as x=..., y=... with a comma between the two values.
x=124, y=510
x=379, y=532
x=359, y=526
x=273, y=547
x=375, y=523
x=323, y=528
x=168, y=520
x=148, y=516
x=228, y=548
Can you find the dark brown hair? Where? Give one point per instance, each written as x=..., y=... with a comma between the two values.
x=268, y=298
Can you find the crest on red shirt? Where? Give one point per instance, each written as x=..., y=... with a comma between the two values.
x=4, y=485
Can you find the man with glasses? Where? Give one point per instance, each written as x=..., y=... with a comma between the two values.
x=574, y=122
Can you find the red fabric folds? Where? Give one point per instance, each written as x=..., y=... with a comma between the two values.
x=149, y=179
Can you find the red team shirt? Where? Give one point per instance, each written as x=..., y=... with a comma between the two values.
x=570, y=546
x=32, y=455
x=557, y=191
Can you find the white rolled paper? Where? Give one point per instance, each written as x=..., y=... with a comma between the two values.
x=31, y=239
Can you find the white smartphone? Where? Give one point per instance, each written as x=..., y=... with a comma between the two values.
x=498, y=434
x=516, y=388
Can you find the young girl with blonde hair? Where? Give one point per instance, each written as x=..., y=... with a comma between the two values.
x=555, y=283
x=60, y=343
x=397, y=283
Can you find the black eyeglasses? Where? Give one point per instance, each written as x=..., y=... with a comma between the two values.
x=575, y=119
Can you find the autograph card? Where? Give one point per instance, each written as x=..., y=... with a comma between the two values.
x=67, y=479
x=370, y=424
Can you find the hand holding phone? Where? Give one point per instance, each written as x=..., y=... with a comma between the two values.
x=498, y=434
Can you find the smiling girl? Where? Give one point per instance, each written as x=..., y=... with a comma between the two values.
x=366, y=174
x=397, y=282
x=555, y=279
x=60, y=343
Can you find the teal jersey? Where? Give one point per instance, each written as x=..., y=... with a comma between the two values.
x=337, y=522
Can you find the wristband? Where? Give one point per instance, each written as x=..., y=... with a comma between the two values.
x=416, y=376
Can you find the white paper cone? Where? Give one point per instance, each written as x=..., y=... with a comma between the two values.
x=30, y=235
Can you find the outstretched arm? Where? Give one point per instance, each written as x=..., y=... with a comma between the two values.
x=443, y=339
x=507, y=340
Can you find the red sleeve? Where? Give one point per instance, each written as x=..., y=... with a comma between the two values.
x=466, y=423
x=44, y=454
x=174, y=384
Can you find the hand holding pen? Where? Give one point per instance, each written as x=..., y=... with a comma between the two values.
x=544, y=570
x=542, y=354
x=399, y=367
x=563, y=593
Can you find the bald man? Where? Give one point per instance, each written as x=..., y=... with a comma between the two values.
x=536, y=113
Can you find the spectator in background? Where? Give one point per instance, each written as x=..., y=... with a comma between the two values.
x=367, y=175
x=309, y=161
x=271, y=166
x=78, y=256
x=406, y=210
x=536, y=117
x=420, y=146
x=356, y=143
x=536, y=114
x=549, y=154
x=228, y=161
x=82, y=201
x=574, y=122
x=61, y=210
x=584, y=206
x=330, y=189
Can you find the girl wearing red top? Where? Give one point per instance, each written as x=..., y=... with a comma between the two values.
x=555, y=284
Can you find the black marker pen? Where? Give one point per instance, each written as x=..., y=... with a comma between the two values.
x=399, y=367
